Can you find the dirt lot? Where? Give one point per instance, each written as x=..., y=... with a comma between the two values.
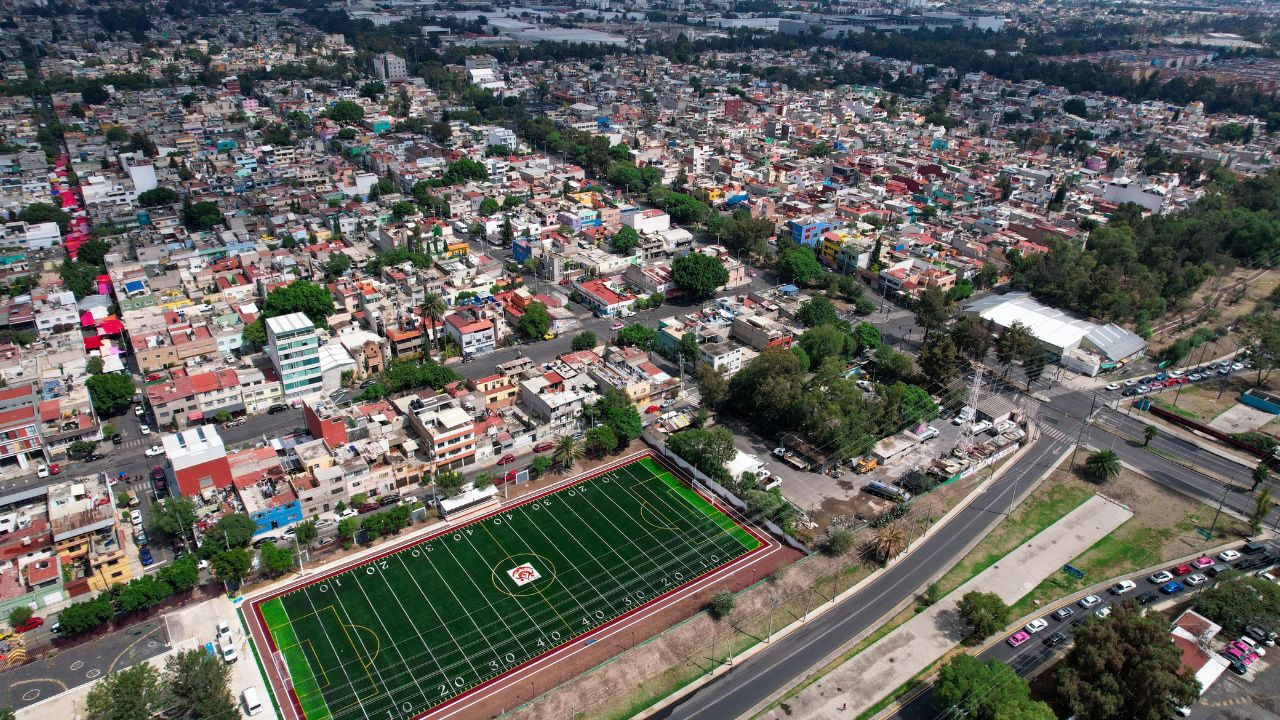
x=1204, y=401
x=1225, y=307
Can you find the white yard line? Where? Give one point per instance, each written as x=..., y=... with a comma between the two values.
x=336, y=654
x=411, y=671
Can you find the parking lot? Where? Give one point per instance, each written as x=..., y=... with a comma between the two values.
x=828, y=499
x=1253, y=697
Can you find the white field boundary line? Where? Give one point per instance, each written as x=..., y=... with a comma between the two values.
x=262, y=638
x=525, y=672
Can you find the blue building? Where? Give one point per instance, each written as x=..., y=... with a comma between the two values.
x=807, y=232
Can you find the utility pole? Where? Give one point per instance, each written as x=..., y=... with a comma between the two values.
x=1084, y=424
x=1226, y=489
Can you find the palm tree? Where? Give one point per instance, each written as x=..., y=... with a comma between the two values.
x=1102, y=465
x=887, y=543
x=1149, y=433
x=567, y=452
x=434, y=309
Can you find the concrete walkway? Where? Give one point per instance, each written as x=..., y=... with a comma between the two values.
x=854, y=687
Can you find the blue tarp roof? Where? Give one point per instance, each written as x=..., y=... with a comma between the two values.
x=135, y=286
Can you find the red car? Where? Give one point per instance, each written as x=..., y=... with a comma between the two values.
x=54, y=469
x=652, y=409
x=506, y=459
x=30, y=624
x=510, y=476
x=369, y=507
x=1182, y=569
x=543, y=446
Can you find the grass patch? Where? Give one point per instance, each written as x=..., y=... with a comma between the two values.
x=1048, y=504
x=1173, y=408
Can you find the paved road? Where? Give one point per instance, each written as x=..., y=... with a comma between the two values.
x=771, y=671
x=1032, y=654
x=65, y=669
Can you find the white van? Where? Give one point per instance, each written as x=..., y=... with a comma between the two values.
x=252, y=705
x=227, y=649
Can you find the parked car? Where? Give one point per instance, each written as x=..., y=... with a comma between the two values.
x=1089, y=601
x=543, y=446
x=1228, y=556
x=1172, y=588
x=135, y=517
x=1147, y=598
x=227, y=650
x=144, y=556
x=94, y=457
x=1195, y=579
x=386, y=500
x=1182, y=569
x=369, y=507
x=348, y=512
x=1103, y=612
x=1063, y=613
x=1123, y=587
x=1113, y=386
x=1161, y=577
x=223, y=629
x=117, y=439
x=42, y=471
x=506, y=459
x=1202, y=562
x=1018, y=638
x=277, y=409
x=1262, y=636
x=1246, y=642
x=617, y=326
x=144, y=429
x=154, y=451
x=1036, y=625
x=31, y=623
x=1055, y=639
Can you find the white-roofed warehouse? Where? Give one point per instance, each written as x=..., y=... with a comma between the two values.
x=1081, y=345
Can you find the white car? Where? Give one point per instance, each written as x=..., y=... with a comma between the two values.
x=1196, y=579
x=1036, y=626
x=42, y=471
x=224, y=632
x=348, y=512
x=1123, y=587
x=137, y=410
x=144, y=429
x=1228, y=556
x=1130, y=382
x=1103, y=611
x=1161, y=577
x=135, y=517
x=153, y=451
x=325, y=522
x=1113, y=386
x=1089, y=601
x=227, y=650
x=779, y=452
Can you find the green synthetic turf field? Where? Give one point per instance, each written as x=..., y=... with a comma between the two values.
x=399, y=635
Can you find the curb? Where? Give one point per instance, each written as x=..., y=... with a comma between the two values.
x=826, y=606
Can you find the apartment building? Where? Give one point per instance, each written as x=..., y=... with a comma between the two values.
x=294, y=348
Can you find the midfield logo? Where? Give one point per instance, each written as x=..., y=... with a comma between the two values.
x=523, y=574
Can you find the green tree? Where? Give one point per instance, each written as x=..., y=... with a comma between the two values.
x=45, y=212
x=230, y=566
x=939, y=360
x=308, y=298
x=601, y=440
x=275, y=561
x=985, y=690
x=463, y=170
x=80, y=278
x=338, y=263
x=1263, y=344
x=117, y=135
x=94, y=367
x=699, y=275
x=817, y=311
x=566, y=452
x=535, y=322
x=182, y=574
x=1149, y=433
x=839, y=541
x=985, y=614
x=1102, y=465
x=625, y=240
x=198, y=687
x=434, y=308
x=1125, y=668
x=174, y=516
x=255, y=333
x=93, y=251
x=110, y=393
x=84, y=616
x=1261, y=508
x=1261, y=474
x=801, y=266
x=970, y=336
x=540, y=465
x=348, y=528
x=20, y=614
x=707, y=450
x=1246, y=599
x=203, y=215
x=1015, y=344
x=712, y=386
x=489, y=206
x=345, y=112
x=305, y=532
x=372, y=89
x=134, y=693
x=585, y=340
x=233, y=530
x=932, y=309
x=637, y=335
x=825, y=341
x=722, y=604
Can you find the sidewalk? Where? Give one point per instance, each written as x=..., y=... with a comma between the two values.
x=854, y=687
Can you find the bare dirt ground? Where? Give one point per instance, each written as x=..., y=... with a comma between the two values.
x=1226, y=304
